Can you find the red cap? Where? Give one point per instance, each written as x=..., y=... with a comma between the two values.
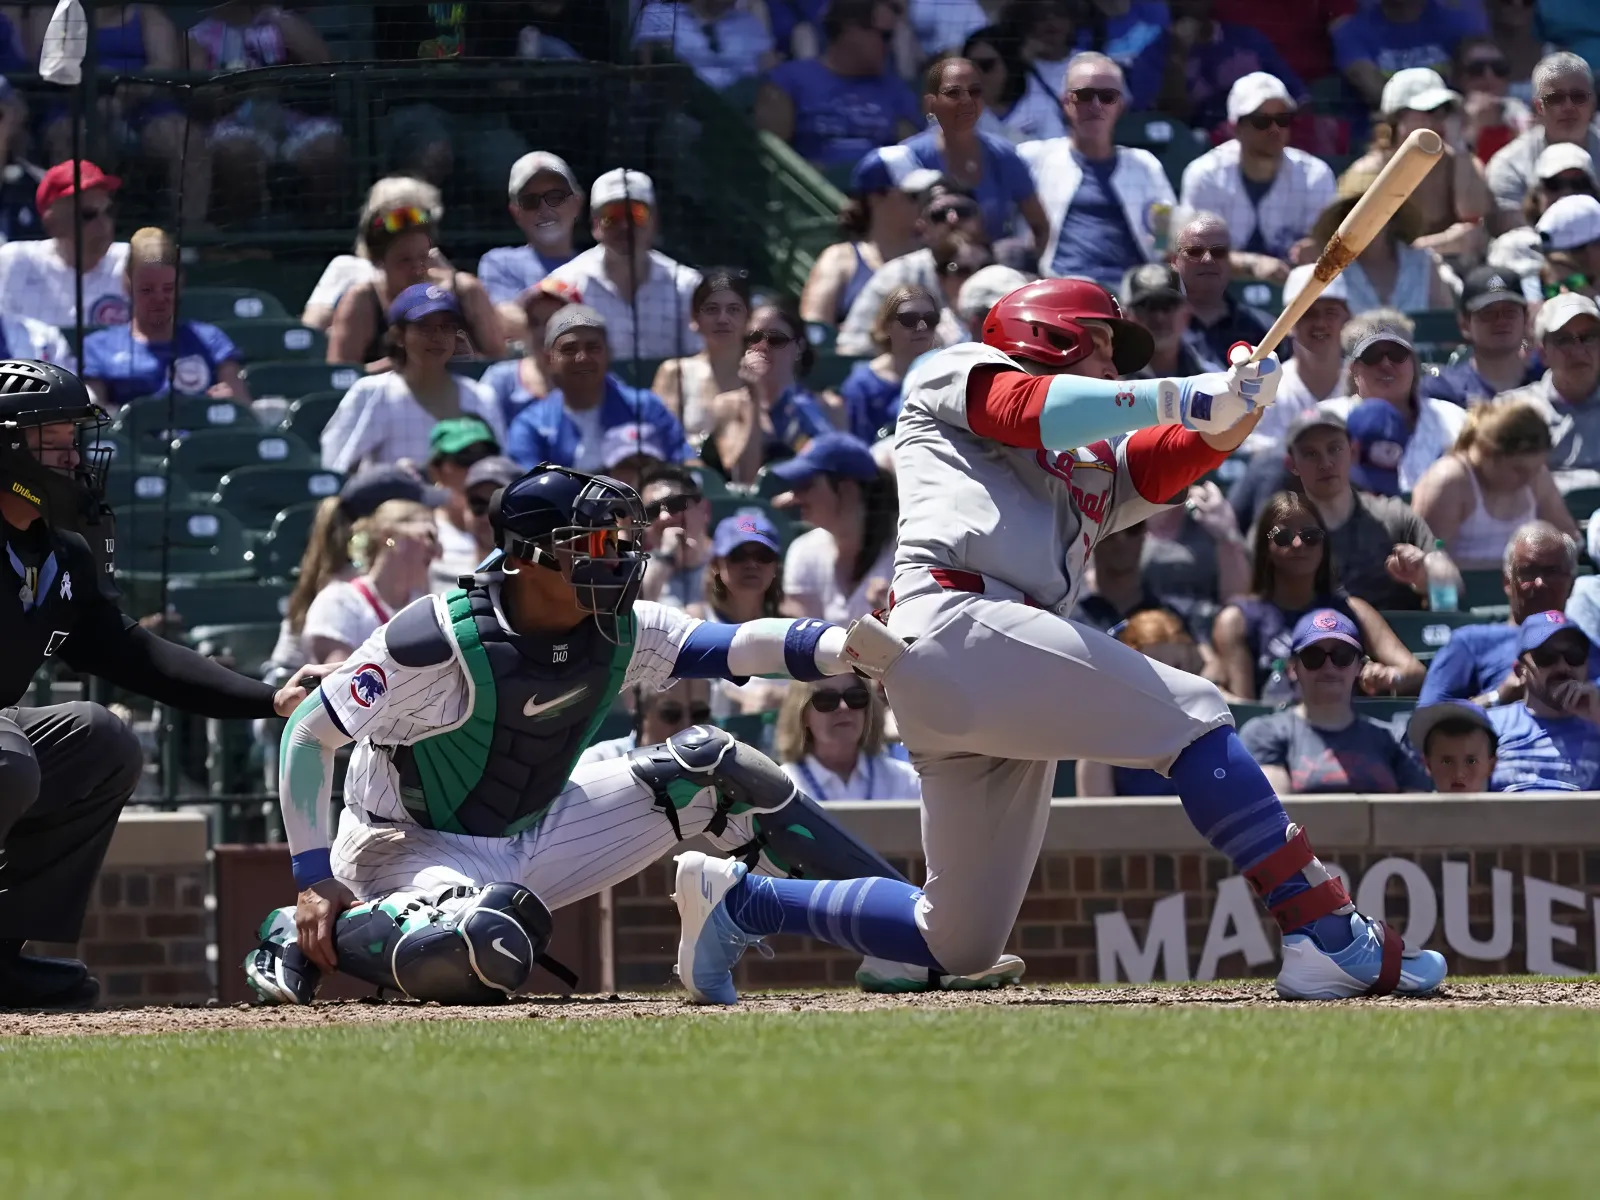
x=57, y=183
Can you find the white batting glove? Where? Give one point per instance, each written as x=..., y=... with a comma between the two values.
x=1218, y=400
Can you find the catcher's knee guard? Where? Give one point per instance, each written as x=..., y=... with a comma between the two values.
x=467, y=946
x=791, y=830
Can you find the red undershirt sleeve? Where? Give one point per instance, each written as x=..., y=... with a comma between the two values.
x=1165, y=459
x=1004, y=405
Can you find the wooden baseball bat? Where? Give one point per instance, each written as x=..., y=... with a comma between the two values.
x=1417, y=155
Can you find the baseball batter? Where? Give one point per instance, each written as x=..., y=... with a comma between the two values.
x=465, y=820
x=1011, y=466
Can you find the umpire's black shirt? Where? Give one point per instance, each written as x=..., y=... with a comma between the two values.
x=53, y=605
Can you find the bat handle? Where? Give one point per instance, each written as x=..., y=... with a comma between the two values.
x=1241, y=352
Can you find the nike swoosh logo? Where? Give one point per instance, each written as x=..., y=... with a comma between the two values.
x=500, y=945
x=533, y=708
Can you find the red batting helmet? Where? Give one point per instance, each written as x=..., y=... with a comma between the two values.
x=1040, y=322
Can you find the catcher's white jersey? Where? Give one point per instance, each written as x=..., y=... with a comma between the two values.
x=378, y=701
x=1027, y=518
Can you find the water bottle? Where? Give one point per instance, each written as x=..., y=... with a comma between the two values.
x=1441, y=581
x=1279, y=690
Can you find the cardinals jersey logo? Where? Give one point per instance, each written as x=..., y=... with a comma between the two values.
x=368, y=684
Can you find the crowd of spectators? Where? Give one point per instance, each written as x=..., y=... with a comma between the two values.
x=979, y=144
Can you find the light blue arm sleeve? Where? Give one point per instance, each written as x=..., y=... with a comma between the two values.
x=1078, y=411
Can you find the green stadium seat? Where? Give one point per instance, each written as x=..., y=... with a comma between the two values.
x=1150, y=131
x=206, y=455
x=129, y=483
x=277, y=556
x=636, y=372
x=1244, y=710
x=150, y=423
x=1437, y=326
x=246, y=646
x=217, y=304
x=829, y=371
x=1384, y=708
x=1066, y=784
x=747, y=727
x=1427, y=631
x=199, y=541
x=276, y=338
x=1484, y=589
x=256, y=495
x=291, y=380
x=309, y=416
x=1582, y=502
x=1258, y=294
x=249, y=600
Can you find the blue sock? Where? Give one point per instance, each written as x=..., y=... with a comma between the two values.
x=874, y=917
x=1233, y=806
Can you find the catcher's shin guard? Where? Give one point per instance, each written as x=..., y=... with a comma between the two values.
x=466, y=946
x=791, y=831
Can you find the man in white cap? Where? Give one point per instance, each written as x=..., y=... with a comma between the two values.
x=1568, y=331
x=1453, y=198
x=545, y=202
x=644, y=296
x=1563, y=102
x=1563, y=169
x=1316, y=372
x=1572, y=226
x=1268, y=193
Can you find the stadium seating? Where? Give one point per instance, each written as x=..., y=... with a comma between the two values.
x=277, y=556
x=1483, y=590
x=217, y=304
x=276, y=338
x=205, y=455
x=309, y=415
x=185, y=539
x=291, y=380
x=1426, y=632
x=257, y=494
x=128, y=483
x=246, y=646
x=151, y=423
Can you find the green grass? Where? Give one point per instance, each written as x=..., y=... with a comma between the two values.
x=1026, y=1101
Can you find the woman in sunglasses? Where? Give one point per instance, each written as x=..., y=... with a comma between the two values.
x=1292, y=574
x=830, y=742
x=741, y=584
x=689, y=387
x=1383, y=366
x=1390, y=272
x=1492, y=116
x=1322, y=744
x=1495, y=480
x=906, y=329
x=1453, y=199
x=773, y=414
x=401, y=243
x=657, y=717
x=1017, y=106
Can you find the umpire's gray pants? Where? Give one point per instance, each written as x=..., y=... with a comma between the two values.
x=65, y=773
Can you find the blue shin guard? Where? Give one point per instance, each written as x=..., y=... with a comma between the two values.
x=874, y=917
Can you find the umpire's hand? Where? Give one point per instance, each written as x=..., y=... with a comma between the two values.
x=289, y=696
x=318, y=908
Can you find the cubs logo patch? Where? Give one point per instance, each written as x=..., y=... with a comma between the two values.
x=108, y=310
x=368, y=684
x=1325, y=620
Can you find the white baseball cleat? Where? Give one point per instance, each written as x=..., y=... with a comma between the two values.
x=710, y=944
x=879, y=975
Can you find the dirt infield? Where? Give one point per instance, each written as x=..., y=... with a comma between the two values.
x=1466, y=994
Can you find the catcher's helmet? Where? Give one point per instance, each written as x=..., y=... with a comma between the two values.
x=1040, y=322
x=586, y=526
x=34, y=394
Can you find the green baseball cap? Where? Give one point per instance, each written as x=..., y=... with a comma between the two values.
x=456, y=434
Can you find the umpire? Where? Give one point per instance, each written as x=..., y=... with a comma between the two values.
x=67, y=770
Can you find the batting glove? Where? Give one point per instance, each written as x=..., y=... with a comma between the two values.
x=1218, y=400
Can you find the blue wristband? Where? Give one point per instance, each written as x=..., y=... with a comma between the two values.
x=800, y=649
x=311, y=867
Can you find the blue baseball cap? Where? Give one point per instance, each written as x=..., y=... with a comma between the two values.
x=1322, y=625
x=422, y=300
x=832, y=454
x=1542, y=626
x=371, y=486
x=746, y=525
x=1379, y=435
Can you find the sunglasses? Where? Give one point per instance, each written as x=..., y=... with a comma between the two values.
x=774, y=338
x=395, y=219
x=1569, y=185
x=1487, y=66
x=533, y=201
x=1312, y=658
x=956, y=93
x=671, y=506
x=1311, y=535
x=1566, y=341
x=1383, y=352
x=472, y=454
x=1578, y=96
x=1533, y=572
x=1106, y=96
x=1548, y=656
x=1268, y=120
x=1201, y=253
x=986, y=64
x=88, y=216
x=479, y=505
x=760, y=555
x=631, y=212
x=853, y=697
x=950, y=211
x=917, y=320
x=1158, y=307
x=672, y=713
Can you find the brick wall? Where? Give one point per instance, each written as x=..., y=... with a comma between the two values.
x=147, y=931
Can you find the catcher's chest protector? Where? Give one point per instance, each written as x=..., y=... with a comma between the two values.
x=537, y=703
